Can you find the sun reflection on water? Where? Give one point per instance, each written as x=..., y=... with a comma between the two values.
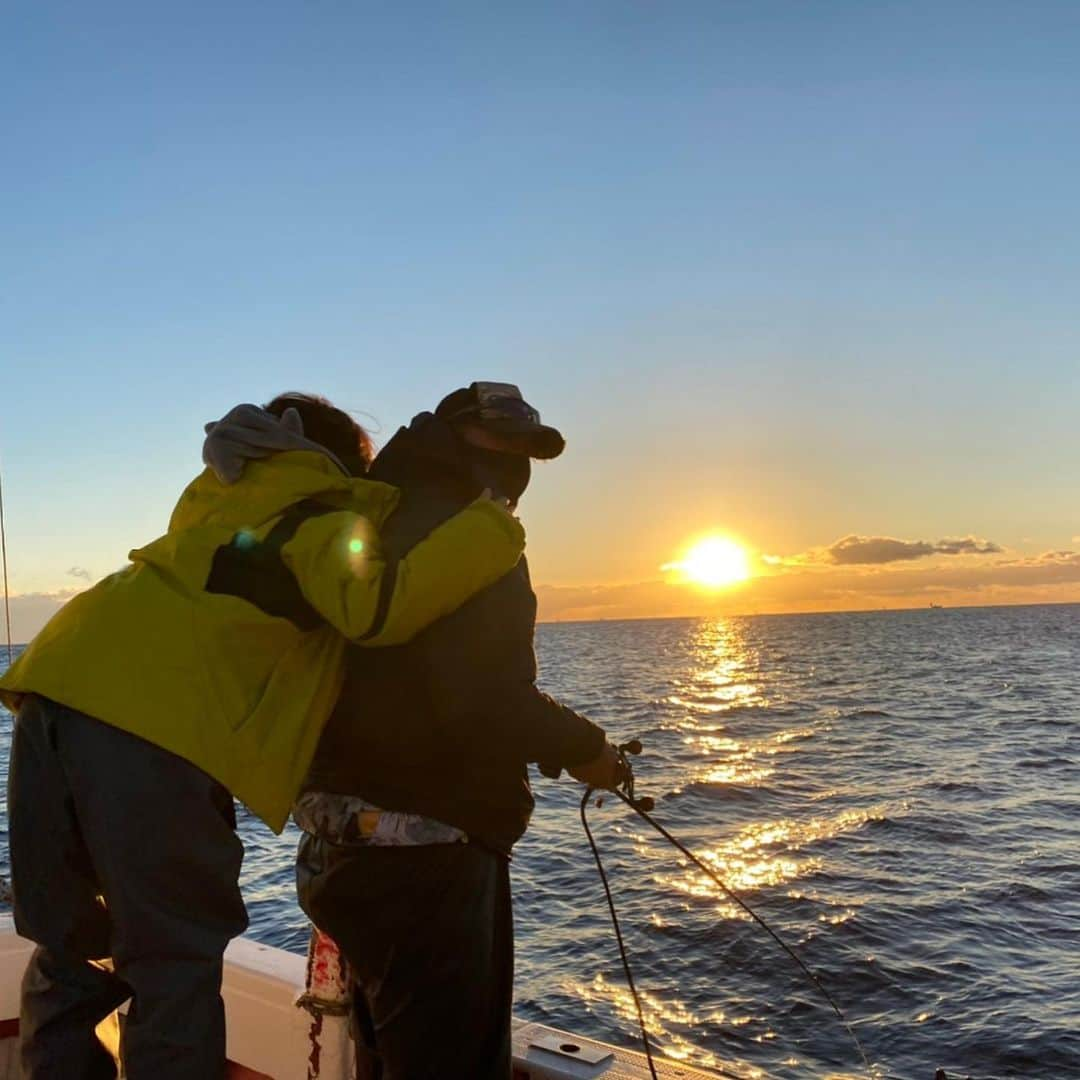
x=739, y=769
x=663, y=1019
x=740, y=760
x=760, y=855
x=724, y=671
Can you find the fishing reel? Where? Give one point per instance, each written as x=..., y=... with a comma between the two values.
x=626, y=785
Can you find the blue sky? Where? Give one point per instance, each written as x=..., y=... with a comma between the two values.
x=792, y=270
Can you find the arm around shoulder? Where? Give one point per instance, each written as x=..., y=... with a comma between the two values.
x=374, y=599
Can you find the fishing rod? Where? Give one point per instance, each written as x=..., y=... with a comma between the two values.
x=641, y=806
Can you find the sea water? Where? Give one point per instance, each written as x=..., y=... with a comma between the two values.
x=896, y=793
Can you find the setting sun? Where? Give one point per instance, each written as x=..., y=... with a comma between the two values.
x=713, y=562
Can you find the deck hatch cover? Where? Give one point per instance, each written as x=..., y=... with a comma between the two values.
x=572, y=1049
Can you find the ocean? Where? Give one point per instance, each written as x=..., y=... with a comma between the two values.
x=896, y=793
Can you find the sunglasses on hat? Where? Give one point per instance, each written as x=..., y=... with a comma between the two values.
x=498, y=401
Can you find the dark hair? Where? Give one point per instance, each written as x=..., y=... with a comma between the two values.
x=329, y=426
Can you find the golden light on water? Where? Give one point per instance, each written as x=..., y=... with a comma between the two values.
x=736, y=761
x=712, y=562
x=761, y=855
x=666, y=1021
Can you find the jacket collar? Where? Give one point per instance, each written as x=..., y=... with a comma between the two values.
x=428, y=453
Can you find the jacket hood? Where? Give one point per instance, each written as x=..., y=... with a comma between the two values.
x=258, y=464
x=247, y=433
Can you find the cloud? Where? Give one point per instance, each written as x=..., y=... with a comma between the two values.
x=876, y=550
x=1066, y=558
x=79, y=572
x=967, y=545
x=1052, y=577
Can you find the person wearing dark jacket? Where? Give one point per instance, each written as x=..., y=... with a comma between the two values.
x=419, y=786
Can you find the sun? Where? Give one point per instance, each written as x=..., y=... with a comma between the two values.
x=714, y=561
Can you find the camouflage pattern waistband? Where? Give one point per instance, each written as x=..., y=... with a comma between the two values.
x=348, y=819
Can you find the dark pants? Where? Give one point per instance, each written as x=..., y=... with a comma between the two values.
x=429, y=934
x=119, y=849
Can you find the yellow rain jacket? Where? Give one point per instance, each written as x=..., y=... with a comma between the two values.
x=211, y=677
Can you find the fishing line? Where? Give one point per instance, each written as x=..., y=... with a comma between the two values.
x=641, y=808
x=622, y=947
x=618, y=934
x=754, y=915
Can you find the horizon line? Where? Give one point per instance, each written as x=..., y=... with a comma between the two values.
x=823, y=611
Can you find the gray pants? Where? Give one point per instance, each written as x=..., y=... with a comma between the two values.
x=429, y=934
x=119, y=849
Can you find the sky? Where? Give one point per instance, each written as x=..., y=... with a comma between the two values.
x=803, y=274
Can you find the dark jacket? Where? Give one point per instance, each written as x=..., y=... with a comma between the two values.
x=445, y=725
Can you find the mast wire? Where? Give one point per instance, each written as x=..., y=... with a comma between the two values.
x=3, y=551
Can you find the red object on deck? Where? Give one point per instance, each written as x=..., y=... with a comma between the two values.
x=242, y=1072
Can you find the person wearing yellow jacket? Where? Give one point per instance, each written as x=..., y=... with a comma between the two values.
x=204, y=669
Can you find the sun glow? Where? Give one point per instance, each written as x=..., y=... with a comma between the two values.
x=714, y=561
